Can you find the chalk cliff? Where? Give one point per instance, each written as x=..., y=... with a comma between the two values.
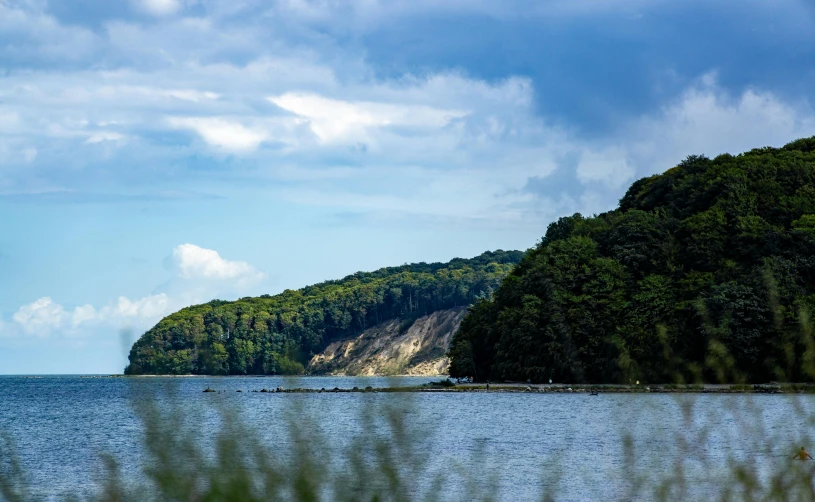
x=394, y=347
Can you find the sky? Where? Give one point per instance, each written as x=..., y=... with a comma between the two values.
x=161, y=153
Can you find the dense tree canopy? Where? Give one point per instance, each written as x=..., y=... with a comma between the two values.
x=706, y=271
x=278, y=334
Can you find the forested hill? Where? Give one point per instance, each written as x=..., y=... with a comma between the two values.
x=279, y=334
x=705, y=272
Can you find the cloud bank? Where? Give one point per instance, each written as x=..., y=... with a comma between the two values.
x=200, y=275
x=193, y=262
x=441, y=145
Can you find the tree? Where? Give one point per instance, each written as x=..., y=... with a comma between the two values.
x=279, y=334
x=713, y=260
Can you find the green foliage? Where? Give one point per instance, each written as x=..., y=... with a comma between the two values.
x=446, y=383
x=805, y=223
x=279, y=334
x=709, y=264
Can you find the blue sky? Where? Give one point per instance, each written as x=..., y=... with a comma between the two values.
x=158, y=153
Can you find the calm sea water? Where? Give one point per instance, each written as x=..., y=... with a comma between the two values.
x=568, y=443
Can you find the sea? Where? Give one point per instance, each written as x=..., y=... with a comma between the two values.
x=573, y=446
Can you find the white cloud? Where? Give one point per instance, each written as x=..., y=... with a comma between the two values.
x=40, y=37
x=334, y=120
x=706, y=120
x=441, y=144
x=702, y=120
x=40, y=317
x=149, y=307
x=44, y=316
x=159, y=7
x=193, y=262
x=201, y=274
x=106, y=90
x=221, y=133
x=317, y=125
x=191, y=95
x=123, y=310
x=609, y=167
x=83, y=314
x=101, y=136
x=371, y=14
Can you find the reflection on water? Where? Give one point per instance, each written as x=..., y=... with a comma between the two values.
x=570, y=443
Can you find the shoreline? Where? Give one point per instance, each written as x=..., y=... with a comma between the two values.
x=265, y=376
x=555, y=389
x=442, y=385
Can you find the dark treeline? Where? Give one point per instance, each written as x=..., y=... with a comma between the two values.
x=705, y=272
x=278, y=334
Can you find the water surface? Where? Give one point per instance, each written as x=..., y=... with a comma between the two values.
x=568, y=443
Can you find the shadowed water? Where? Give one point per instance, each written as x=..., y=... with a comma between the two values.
x=572, y=445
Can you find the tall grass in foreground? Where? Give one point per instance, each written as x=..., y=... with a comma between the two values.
x=183, y=463
x=759, y=466
x=384, y=462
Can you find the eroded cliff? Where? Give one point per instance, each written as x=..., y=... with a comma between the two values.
x=395, y=347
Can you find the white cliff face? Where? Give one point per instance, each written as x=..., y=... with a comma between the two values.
x=394, y=347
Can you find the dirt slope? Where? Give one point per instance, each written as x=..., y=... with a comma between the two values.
x=394, y=347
